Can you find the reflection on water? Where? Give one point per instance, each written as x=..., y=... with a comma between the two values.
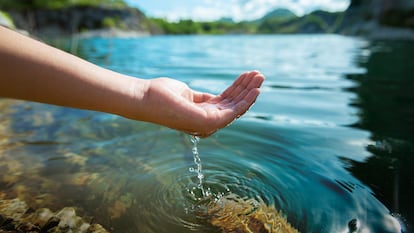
x=328, y=142
x=385, y=99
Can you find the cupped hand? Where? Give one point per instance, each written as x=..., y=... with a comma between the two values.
x=175, y=105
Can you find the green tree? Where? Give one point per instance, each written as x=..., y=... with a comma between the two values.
x=56, y=4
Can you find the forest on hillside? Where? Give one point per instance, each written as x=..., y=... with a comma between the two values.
x=358, y=19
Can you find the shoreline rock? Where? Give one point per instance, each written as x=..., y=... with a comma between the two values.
x=380, y=19
x=391, y=33
x=86, y=20
x=372, y=30
x=17, y=216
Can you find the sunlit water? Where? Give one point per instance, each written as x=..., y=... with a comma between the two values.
x=197, y=191
x=197, y=162
x=325, y=142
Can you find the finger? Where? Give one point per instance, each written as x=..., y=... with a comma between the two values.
x=200, y=97
x=242, y=86
x=243, y=105
x=235, y=84
x=247, y=81
x=255, y=82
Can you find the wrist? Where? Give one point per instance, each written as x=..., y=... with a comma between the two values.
x=133, y=105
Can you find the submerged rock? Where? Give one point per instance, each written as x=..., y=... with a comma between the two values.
x=17, y=216
x=234, y=214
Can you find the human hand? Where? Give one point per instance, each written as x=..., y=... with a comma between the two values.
x=55, y=77
x=173, y=104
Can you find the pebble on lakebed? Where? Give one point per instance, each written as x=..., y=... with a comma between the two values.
x=17, y=216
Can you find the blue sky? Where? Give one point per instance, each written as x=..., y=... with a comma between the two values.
x=236, y=9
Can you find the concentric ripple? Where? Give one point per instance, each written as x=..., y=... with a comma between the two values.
x=181, y=198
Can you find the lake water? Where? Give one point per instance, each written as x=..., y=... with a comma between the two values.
x=330, y=138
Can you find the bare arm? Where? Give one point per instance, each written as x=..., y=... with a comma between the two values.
x=34, y=71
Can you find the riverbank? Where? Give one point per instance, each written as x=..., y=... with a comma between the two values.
x=372, y=30
x=100, y=21
x=80, y=20
x=112, y=32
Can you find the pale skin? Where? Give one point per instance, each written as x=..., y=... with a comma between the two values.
x=31, y=70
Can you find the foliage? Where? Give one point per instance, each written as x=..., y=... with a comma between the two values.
x=193, y=27
x=279, y=13
x=109, y=22
x=113, y=22
x=270, y=25
x=315, y=22
x=7, y=17
x=57, y=4
x=181, y=27
x=277, y=21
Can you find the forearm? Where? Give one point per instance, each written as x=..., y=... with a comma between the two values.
x=34, y=71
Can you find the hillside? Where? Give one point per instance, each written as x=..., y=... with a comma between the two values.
x=373, y=18
x=380, y=19
x=280, y=13
x=315, y=22
x=67, y=17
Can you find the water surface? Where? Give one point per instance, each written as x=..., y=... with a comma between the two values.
x=330, y=138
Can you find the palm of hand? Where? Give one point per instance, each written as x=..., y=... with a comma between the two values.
x=203, y=113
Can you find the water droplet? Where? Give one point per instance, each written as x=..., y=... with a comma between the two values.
x=197, y=162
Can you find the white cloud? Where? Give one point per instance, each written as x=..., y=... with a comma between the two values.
x=236, y=9
x=207, y=13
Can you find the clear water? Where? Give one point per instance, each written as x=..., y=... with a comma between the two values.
x=197, y=161
x=197, y=170
x=330, y=138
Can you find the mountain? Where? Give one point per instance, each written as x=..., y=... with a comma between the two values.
x=280, y=13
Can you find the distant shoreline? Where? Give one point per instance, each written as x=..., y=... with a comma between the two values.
x=371, y=30
x=139, y=26
x=111, y=32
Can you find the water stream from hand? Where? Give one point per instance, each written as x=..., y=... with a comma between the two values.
x=198, y=169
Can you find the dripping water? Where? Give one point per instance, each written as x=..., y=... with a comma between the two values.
x=198, y=167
